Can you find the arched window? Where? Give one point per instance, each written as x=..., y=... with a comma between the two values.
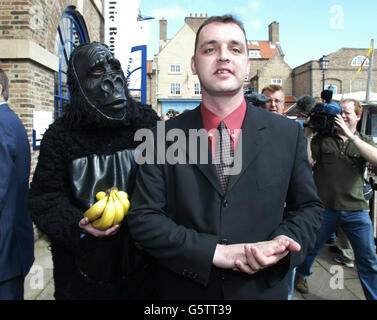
x=357, y=61
x=71, y=32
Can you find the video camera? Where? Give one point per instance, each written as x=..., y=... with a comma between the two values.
x=322, y=116
x=257, y=99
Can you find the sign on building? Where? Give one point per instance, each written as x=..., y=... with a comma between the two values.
x=125, y=29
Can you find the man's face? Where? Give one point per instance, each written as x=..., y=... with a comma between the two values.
x=276, y=101
x=102, y=80
x=349, y=116
x=221, y=60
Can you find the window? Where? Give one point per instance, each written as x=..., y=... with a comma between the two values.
x=254, y=54
x=357, y=61
x=175, y=68
x=277, y=81
x=175, y=89
x=71, y=33
x=332, y=88
x=197, y=89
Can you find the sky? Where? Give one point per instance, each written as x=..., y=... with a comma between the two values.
x=308, y=29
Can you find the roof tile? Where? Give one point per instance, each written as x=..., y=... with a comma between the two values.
x=267, y=49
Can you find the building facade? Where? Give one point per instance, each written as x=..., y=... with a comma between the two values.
x=343, y=65
x=267, y=65
x=176, y=88
x=36, y=39
x=172, y=86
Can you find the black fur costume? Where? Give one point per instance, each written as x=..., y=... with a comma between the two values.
x=83, y=132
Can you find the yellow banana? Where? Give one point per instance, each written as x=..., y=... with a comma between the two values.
x=100, y=195
x=119, y=212
x=95, y=211
x=123, y=198
x=107, y=218
x=123, y=193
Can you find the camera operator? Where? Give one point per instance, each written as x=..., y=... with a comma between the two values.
x=339, y=162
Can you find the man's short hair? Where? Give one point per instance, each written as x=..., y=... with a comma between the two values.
x=227, y=18
x=358, y=107
x=272, y=88
x=5, y=84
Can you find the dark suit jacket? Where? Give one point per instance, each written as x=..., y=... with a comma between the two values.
x=179, y=212
x=16, y=230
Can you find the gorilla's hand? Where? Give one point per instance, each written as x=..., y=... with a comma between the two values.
x=87, y=227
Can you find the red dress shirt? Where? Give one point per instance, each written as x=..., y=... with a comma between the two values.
x=233, y=122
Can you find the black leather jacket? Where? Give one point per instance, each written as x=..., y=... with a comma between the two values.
x=112, y=258
x=99, y=172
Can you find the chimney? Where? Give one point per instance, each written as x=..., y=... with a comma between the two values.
x=163, y=29
x=273, y=32
x=163, y=32
x=195, y=21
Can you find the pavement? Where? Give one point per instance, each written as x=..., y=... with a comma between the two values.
x=330, y=281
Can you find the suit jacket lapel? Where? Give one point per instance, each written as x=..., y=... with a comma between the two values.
x=195, y=122
x=250, y=143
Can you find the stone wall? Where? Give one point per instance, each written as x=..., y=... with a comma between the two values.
x=307, y=78
x=276, y=68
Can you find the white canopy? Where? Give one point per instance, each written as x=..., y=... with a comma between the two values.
x=359, y=95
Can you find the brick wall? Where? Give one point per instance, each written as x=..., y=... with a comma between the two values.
x=276, y=68
x=340, y=69
x=95, y=26
x=255, y=65
x=35, y=20
x=31, y=88
x=31, y=83
x=273, y=68
x=308, y=77
x=302, y=80
x=14, y=19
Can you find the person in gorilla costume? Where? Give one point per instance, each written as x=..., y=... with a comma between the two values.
x=91, y=149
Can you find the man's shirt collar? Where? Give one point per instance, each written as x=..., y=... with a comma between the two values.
x=233, y=123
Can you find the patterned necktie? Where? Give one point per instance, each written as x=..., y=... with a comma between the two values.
x=223, y=155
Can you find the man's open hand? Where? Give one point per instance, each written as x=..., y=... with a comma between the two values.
x=264, y=254
x=252, y=257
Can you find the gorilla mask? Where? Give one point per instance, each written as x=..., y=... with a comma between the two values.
x=101, y=80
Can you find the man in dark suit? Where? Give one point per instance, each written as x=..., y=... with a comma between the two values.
x=16, y=229
x=225, y=230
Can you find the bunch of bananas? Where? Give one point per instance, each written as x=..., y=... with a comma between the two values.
x=110, y=209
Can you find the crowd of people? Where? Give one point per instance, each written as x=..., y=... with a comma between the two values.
x=339, y=164
x=246, y=224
